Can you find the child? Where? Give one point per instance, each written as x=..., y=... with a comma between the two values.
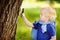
x=43, y=29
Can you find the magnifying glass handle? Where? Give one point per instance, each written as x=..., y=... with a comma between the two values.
x=23, y=10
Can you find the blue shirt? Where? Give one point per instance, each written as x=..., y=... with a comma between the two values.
x=44, y=29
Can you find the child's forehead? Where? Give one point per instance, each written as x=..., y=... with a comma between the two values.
x=43, y=10
x=47, y=9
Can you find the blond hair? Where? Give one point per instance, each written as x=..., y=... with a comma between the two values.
x=49, y=12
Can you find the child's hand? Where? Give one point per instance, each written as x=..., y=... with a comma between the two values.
x=53, y=38
x=22, y=13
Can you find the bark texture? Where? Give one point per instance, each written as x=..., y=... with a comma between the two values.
x=9, y=11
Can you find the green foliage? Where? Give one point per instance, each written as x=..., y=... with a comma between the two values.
x=23, y=31
x=58, y=24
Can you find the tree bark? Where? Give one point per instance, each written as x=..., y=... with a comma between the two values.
x=9, y=11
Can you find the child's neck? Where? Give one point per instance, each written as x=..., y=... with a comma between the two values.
x=45, y=20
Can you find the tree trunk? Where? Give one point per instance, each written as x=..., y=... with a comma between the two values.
x=9, y=11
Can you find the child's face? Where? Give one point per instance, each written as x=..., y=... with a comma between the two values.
x=43, y=15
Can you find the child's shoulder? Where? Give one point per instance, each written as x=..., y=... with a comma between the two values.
x=52, y=23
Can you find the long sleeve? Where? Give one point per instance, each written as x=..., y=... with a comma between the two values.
x=52, y=30
x=35, y=24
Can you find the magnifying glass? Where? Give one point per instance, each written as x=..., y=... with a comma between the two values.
x=22, y=10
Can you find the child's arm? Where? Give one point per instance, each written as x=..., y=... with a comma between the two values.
x=53, y=38
x=25, y=20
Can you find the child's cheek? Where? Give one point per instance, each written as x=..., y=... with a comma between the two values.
x=42, y=17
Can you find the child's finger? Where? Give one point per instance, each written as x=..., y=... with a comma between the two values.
x=21, y=12
x=52, y=39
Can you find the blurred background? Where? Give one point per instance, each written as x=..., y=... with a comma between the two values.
x=32, y=11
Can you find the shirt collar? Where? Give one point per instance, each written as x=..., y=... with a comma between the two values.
x=42, y=22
